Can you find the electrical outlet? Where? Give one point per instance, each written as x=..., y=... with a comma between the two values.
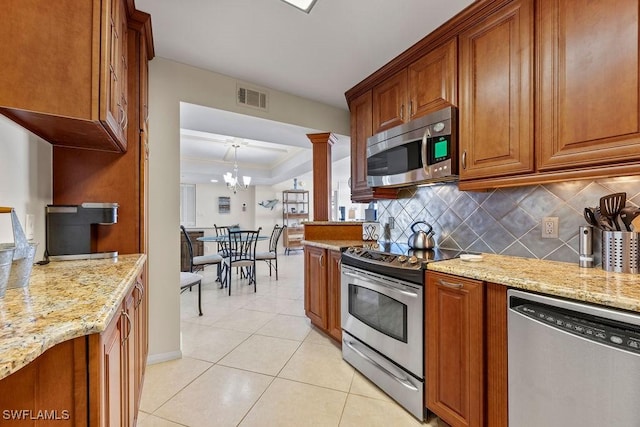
x=392, y=223
x=550, y=227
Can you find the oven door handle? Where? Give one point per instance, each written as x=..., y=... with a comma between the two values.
x=380, y=282
x=402, y=380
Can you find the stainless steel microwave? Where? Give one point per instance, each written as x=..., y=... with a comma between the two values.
x=420, y=151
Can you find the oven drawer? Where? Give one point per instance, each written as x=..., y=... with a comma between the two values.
x=397, y=383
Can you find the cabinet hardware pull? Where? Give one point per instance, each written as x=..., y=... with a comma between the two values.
x=402, y=112
x=140, y=293
x=321, y=260
x=125, y=314
x=464, y=159
x=411, y=108
x=450, y=285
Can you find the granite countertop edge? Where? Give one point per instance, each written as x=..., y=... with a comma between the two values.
x=334, y=245
x=64, y=300
x=561, y=279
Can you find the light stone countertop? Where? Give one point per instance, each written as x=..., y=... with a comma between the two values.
x=562, y=279
x=64, y=300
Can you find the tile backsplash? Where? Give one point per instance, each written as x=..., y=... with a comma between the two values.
x=504, y=221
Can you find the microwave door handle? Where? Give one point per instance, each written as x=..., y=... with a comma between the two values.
x=381, y=283
x=423, y=152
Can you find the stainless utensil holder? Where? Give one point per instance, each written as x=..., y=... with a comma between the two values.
x=620, y=251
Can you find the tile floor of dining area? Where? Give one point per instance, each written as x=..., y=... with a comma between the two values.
x=254, y=359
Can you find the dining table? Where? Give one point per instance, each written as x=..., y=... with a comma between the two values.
x=218, y=239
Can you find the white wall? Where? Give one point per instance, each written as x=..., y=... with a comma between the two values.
x=170, y=83
x=25, y=179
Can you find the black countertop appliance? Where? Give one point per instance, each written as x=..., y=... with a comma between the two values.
x=71, y=230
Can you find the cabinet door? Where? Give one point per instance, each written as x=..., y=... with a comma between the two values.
x=433, y=80
x=315, y=285
x=454, y=349
x=141, y=338
x=361, y=129
x=129, y=374
x=114, y=359
x=333, y=295
x=588, y=88
x=389, y=102
x=496, y=102
x=113, y=96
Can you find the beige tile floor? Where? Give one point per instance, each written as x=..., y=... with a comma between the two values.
x=253, y=359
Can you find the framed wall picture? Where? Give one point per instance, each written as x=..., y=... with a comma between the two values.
x=224, y=205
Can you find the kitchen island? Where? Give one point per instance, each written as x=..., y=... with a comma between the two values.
x=74, y=342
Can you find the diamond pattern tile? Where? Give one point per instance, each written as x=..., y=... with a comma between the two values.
x=505, y=220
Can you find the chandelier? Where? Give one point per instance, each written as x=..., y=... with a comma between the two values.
x=232, y=181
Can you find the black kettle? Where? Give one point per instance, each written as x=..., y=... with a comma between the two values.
x=421, y=239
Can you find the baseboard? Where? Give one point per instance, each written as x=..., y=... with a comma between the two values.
x=152, y=359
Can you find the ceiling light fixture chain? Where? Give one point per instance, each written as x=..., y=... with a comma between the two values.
x=233, y=183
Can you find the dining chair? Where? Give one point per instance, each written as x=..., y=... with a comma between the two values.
x=198, y=263
x=240, y=252
x=271, y=256
x=188, y=281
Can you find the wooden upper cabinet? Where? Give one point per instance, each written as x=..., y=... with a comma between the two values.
x=496, y=95
x=433, y=82
x=427, y=84
x=361, y=129
x=587, y=91
x=70, y=89
x=390, y=102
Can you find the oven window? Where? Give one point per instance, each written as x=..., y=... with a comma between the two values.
x=384, y=314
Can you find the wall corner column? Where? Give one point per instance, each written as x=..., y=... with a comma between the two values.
x=322, y=143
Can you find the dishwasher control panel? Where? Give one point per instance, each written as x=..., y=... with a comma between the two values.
x=612, y=333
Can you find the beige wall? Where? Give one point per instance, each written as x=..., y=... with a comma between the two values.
x=25, y=179
x=170, y=83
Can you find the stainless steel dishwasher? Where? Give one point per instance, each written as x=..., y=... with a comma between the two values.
x=571, y=364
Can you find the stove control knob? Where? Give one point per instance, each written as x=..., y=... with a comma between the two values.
x=402, y=258
x=413, y=259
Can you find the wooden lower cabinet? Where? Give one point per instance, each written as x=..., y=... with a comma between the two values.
x=454, y=349
x=94, y=380
x=322, y=289
x=466, y=351
x=52, y=387
x=334, y=325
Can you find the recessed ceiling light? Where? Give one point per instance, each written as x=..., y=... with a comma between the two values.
x=303, y=5
x=214, y=180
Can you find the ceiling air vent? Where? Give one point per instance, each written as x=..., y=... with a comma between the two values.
x=252, y=98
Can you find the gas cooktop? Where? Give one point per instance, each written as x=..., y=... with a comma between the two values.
x=399, y=255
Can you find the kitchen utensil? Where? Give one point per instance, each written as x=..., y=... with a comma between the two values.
x=635, y=224
x=627, y=214
x=590, y=217
x=611, y=205
x=421, y=239
x=603, y=222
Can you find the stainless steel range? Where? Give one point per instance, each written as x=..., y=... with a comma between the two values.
x=383, y=317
